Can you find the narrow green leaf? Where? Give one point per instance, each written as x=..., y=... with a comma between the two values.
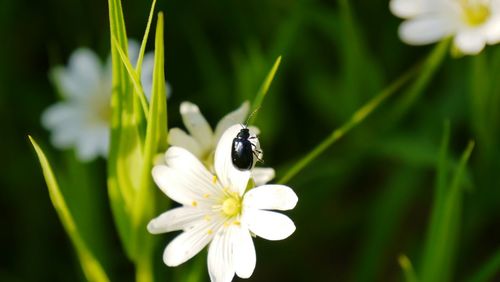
x=138, y=66
x=355, y=119
x=488, y=271
x=440, y=191
x=134, y=77
x=91, y=266
x=411, y=95
x=360, y=73
x=144, y=207
x=264, y=88
x=125, y=150
x=438, y=259
x=383, y=223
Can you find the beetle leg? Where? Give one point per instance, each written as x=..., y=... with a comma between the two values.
x=256, y=154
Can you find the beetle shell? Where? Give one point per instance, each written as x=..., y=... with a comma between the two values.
x=242, y=153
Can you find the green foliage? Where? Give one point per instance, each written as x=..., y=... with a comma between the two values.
x=259, y=98
x=444, y=227
x=92, y=268
x=138, y=138
x=488, y=271
x=362, y=202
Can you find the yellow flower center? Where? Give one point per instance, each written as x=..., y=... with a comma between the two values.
x=476, y=12
x=231, y=206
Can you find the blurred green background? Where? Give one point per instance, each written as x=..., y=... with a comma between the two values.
x=362, y=203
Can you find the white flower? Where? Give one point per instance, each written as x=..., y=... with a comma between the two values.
x=203, y=139
x=220, y=210
x=472, y=23
x=81, y=120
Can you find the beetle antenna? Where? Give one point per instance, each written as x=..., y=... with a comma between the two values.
x=251, y=115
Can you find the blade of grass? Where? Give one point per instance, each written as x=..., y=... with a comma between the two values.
x=437, y=261
x=355, y=119
x=361, y=75
x=264, y=88
x=140, y=58
x=488, y=271
x=383, y=222
x=134, y=77
x=440, y=191
x=125, y=138
x=91, y=266
x=155, y=137
x=411, y=95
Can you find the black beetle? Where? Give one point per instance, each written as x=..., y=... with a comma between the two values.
x=242, y=150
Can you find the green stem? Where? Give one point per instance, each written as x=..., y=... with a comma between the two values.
x=427, y=71
x=356, y=119
x=144, y=269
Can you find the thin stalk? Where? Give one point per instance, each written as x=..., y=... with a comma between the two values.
x=427, y=70
x=144, y=269
x=356, y=119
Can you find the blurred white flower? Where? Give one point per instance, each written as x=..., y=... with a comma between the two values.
x=203, y=139
x=81, y=120
x=472, y=23
x=220, y=210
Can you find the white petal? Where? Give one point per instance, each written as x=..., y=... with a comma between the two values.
x=65, y=120
x=220, y=255
x=271, y=197
x=177, y=137
x=82, y=76
x=254, y=130
x=470, y=42
x=176, y=219
x=133, y=51
x=237, y=116
x=229, y=175
x=89, y=144
x=62, y=114
x=268, y=225
x=262, y=175
x=424, y=30
x=492, y=31
x=244, y=253
x=185, y=180
x=495, y=7
x=148, y=65
x=189, y=243
x=197, y=125
x=409, y=8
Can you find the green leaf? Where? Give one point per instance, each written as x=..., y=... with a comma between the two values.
x=440, y=248
x=411, y=95
x=125, y=147
x=91, y=266
x=488, y=271
x=356, y=118
x=156, y=136
x=134, y=77
x=264, y=88
x=140, y=58
x=383, y=222
x=360, y=73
